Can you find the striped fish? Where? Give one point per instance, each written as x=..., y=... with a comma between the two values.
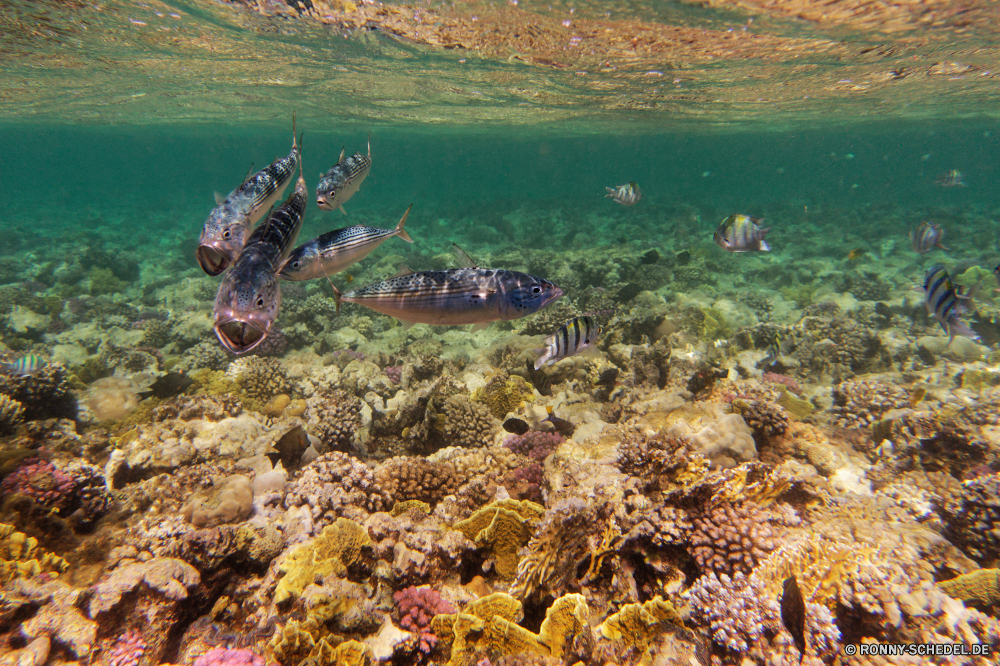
x=340, y=183
x=741, y=233
x=926, y=237
x=230, y=222
x=336, y=251
x=24, y=366
x=952, y=178
x=249, y=297
x=573, y=337
x=627, y=195
x=944, y=303
x=456, y=296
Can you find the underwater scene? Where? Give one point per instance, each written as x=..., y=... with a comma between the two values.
x=482, y=334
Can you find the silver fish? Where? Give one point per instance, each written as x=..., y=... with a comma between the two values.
x=573, y=337
x=952, y=178
x=337, y=250
x=456, y=296
x=24, y=366
x=627, y=194
x=340, y=183
x=742, y=233
x=926, y=237
x=249, y=297
x=944, y=303
x=228, y=225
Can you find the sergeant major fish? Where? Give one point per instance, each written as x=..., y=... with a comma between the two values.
x=926, y=237
x=340, y=183
x=952, y=178
x=230, y=222
x=335, y=251
x=944, y=303
x=24, y=366
x=627, y=194
x=741, y=233
x=573, y=337
x=249, y=297
x=456, y=296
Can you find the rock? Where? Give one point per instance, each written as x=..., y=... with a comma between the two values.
x=961, y=349
x=27, y=322
x=229, y=502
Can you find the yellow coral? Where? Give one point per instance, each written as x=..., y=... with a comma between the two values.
x=565, y=619
x=20, y=556
x=504, y=526
x=503, y=394
x=399, y=508
x=981, y=585
x=331, y=553
x=639, y=625
x=294, y=642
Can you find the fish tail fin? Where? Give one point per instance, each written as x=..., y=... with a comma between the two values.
x=341, y=209
x=399, y=227
x=294, y=144
x=543, y=358
x=764, y=246
x=369, y=144
x=610, y=193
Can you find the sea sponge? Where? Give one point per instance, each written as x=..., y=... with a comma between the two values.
x=20, y=556
x=112, y=398
x=504, y=527
x=340, y=546
x=503, y=394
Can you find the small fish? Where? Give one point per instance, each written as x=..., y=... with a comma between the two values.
x=562, y=426
x=793, y=613
x=167, y=386
x=24, y=366
x=926, y=237
x=516, y=426
x=573, y=337
x=627, y=195
x=855, y=254
x=773, y=349
x=455, y=296
x=741, y=233
x=944, y=304
x=340, y=183
x=228, y=225
x=337, y=250
x=249, y=297
x=952, y=178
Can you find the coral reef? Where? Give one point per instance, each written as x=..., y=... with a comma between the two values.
x=858, y=404
x=416, y=607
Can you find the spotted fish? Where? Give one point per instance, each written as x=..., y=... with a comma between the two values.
x=627, y=194
x=573, y=337
x=228, y=225
x=249, y=297
x=741, y=233
x=336, y=251
x=944, y=303
x=926, y=237
x=456, y=296
x=340, y=183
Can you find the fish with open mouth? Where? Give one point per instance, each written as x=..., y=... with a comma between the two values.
x=249, y=297
x=340, y=183
x=455, y=296
x=228, y=225
x=336, y=251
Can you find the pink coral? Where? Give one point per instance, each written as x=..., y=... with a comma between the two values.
x=229, y=657
x=534, y=444
x=417, y=606
x=775, y=378
x=394, y=373
x=41, y=481
x=127, y=650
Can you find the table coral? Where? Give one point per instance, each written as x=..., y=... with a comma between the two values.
x=417, y=606
x=503, y=527
x=637, y=625
x=981, y=586
x=339, y=546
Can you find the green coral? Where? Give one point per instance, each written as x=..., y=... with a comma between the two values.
x=503, y=394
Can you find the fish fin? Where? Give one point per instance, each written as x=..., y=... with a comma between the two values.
x=610, y=193
x=764, y=246
x=294, y=145
x=402, y=272
x=464, y=259
x=407, y=325
x=369, y=145
x=341, y=158
x=336, y=296
x=544, y=357
x=341, y=209
x=399, y=227
x=218, y=198
x=480, y=326
x=942, y=246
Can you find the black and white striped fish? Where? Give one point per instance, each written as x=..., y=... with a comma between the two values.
x=741, y=233
x=24, y=366
x=340, y=183
x=627, y=194
x=926, y=237
x=230, y=222
x=456, y=296
x=575, y=336
x=944, y=303
x=337, y=250
x=249, y=297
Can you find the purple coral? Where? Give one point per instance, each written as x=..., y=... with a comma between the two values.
x=534, y=444
x=417, y=606
x=221, y=656
x=41, y=481
x=394, y=373
x=127, y=650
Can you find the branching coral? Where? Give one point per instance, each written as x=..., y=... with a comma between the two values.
x=466, y=423
x=736, y=537
x=408, y=478
x=858, y=404
x=333, y=417
x=417, y=606
x=337, y=485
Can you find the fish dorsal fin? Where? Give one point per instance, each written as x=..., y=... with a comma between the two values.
x=341, y=158
x=341, y=209
x=464, y=260
x=219, y=198
x=403, y=272
x=246, y=178
x=294, y=145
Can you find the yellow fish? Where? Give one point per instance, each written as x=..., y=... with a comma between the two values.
x=855, y=254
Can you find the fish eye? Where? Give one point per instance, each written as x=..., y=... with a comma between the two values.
x=536, y=290
x=226, y=234
x=295, y=264
x=260, y=301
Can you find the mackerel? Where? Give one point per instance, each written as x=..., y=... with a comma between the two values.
x=337, y=250
x=230, y=222
x=340, y=183
x=456, y=296
x=249, y=297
